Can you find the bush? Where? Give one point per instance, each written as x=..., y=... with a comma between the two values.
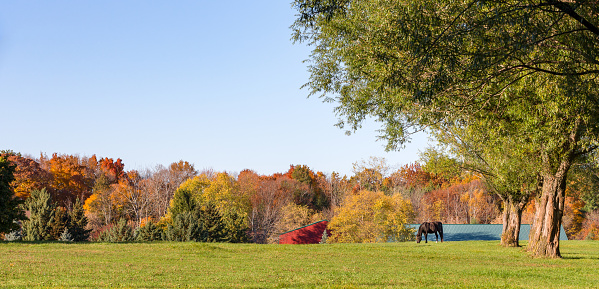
x=121, y=232
x=66, y=236
x=14, y=236
x=325, y=236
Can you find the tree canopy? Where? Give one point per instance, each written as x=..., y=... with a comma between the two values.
x=429, y=64
x=413, y=63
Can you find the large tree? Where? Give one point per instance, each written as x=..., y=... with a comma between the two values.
x=506, y=164
x=413, y=64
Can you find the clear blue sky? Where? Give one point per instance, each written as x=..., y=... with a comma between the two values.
x=215, y=83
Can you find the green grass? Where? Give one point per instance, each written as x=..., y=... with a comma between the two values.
x=474, y=264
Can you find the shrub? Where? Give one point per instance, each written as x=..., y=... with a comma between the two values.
x=13, y=236
x=325, y=236
x=66, y=236
x=121, y=232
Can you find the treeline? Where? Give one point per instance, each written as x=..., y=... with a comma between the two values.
x=74, y=198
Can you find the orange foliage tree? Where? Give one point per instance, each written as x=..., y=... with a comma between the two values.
x=465, y=202
x=71, y=178
x=29, y=175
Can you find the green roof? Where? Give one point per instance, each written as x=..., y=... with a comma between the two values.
x=483, y=232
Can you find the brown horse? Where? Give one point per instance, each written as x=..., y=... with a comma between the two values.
x=429, y=227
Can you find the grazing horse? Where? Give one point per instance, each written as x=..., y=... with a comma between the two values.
x=429, y=227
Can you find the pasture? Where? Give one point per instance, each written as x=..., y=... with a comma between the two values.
x=473, y=264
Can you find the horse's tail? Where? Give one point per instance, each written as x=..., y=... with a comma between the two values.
x=440, y=229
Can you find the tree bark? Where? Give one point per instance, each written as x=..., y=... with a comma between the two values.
x=545, y=230
x=512, y=218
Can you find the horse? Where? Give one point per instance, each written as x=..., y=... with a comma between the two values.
x=429, y=227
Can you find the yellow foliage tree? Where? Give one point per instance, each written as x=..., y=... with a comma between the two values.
x=223, y=192
x=369, y=217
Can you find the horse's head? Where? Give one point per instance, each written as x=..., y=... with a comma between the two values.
x=418, y=238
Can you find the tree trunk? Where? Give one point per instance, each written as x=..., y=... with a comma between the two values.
x=512, y=218
x=545, y=230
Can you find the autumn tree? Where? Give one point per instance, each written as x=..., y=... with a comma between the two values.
x=266, y=202
x=413, y=182
x=334, y=188
x=311, y=195
x=370, y=174
x=415, y=64
x=101, y=205
x=10, y=212
x=205, y=197
x=71, y=178
x=161, y=183
x=234, y=207
x=114, y=170
x=28, y=174
x=132, y=196
x=268, y=206
x=369, y=217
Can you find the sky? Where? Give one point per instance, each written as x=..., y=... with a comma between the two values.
x=214, y=83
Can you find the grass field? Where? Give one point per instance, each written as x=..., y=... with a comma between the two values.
x=476, y=264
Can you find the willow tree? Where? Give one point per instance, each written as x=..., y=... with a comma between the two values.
x=506, y=163
x=414, y=64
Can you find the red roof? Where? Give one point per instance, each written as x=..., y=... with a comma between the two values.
x=309, y=234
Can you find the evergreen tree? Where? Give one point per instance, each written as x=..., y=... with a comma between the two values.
x=59, y=223
x=41, y=209
x=66, y=236
x=325, y=236
x=235, y=228
x=212, y=226
x=121, y=232
x=149, y=232
x=185, y=227
x=10, y=213
x=78, y=223
x=183, y=201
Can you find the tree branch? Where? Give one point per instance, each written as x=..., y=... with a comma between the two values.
x=566, y=8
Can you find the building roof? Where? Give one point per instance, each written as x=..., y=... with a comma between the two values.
x=480, y=232
x=309, y=226
x=309, y=234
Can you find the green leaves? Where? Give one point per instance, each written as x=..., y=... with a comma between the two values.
x=410, y=64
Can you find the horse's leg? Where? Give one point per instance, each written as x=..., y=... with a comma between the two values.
x=425, y=237
x=436, y=237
